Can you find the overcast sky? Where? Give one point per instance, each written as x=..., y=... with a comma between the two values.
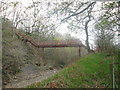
x=63, y=27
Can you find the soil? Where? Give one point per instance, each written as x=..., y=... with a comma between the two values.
x=31, y=74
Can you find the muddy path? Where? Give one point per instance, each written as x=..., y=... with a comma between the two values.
x=31, y=74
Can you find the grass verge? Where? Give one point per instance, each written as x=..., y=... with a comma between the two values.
x=92, y=71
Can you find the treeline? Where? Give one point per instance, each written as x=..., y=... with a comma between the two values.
x=40, y=19
x=17, y=53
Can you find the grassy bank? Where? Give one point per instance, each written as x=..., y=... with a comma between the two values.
x=90, y=71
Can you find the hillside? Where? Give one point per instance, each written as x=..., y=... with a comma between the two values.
x=16, y=53
x=66, y=44
x=22, y=60
x=92, y=71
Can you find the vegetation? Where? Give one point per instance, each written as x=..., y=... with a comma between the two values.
x=92, y=71
x=17, y=53
x=107, y=27
x=10, y=47
x=95, y=23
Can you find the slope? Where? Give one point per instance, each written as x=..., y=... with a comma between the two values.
x=15, y=53
x=92, y=71
x=21, y=60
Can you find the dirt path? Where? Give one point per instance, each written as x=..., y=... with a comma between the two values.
x=32, y=78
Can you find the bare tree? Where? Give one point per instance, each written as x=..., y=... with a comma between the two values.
x=78, y=15
x=109, y=20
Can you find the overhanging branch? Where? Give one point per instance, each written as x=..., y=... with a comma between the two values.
x=74, y=14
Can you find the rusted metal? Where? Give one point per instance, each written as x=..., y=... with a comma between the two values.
x=49, y=44
x=79, y=51
x=42, y=53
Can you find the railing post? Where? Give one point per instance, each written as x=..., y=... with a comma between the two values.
x=42, y=53
x=79, y=52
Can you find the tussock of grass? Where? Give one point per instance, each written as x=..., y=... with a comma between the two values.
x=90, y=71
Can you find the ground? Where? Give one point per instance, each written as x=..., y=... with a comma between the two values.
x=19, y=63
x=31, y=74
x=92, y=71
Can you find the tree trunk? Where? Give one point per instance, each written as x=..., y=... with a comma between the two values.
x=87, y=36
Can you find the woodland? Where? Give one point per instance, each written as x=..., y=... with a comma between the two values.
x=43, y=37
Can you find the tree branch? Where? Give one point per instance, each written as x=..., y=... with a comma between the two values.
x=74, y=14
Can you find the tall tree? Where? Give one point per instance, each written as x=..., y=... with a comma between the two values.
x=77, y=14
x=110, y=20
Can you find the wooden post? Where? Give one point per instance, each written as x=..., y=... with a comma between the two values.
x=79, y=52
x=43, y=59
x=42, y=53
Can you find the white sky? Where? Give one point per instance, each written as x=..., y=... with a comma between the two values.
x=63, y=27
x=81, y=35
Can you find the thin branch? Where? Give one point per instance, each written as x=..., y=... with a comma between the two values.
x=74, y=14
